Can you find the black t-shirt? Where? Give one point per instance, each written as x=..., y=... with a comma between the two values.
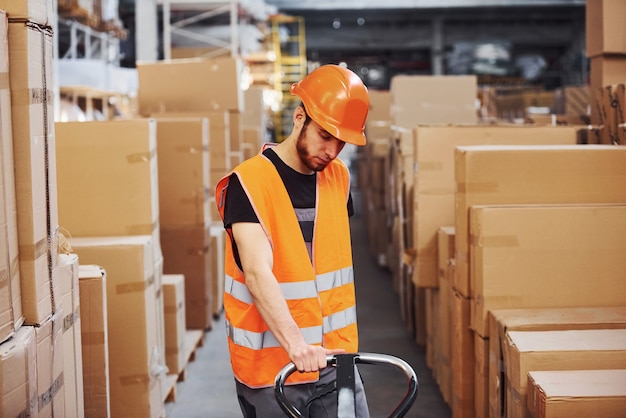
x=300, y=187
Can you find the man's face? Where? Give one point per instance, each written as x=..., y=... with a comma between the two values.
x=316, y=147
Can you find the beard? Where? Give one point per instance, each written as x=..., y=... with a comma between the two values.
x=311, y=162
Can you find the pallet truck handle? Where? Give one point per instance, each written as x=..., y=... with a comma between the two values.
x=338, y=360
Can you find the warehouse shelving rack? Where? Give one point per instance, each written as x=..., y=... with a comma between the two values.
x=193, y=11
x=289, y=43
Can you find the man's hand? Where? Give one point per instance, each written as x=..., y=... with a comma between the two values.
x=311, y=358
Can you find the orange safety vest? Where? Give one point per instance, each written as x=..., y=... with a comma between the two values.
x=320, y=295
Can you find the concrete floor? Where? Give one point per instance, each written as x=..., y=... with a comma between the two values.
x=209, y=391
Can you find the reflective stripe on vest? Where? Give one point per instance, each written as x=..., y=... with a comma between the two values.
x=260, y=340
x=294, y=290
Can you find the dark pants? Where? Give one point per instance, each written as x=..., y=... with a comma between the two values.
x=313, y=400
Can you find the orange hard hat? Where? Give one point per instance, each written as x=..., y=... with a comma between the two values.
x=337, y=100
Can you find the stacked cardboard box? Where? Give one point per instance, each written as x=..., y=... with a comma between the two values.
x=606, y=50
x=185, y=219
x=586, y=393
x=11, y=307
x=136, y=360
x=108, y=197
x=537, y=319
x=95, y=340
x=39, y=296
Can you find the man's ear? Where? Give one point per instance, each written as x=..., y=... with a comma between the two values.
x=299, y=115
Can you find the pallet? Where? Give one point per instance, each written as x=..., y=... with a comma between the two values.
x=193, y=340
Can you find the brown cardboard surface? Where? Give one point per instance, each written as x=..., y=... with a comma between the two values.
x=11, y=316
x=445, y=253
x=38, y=11
x=461, y=358
x=255, y=114
x=606, y=70
x=18, y=374
x=95, y=341
x=522, y=256
x=582, y=393
x=481, y=376
x=187, y=251
x=30, y=63
x=434, y=180
x=426, y=100
x=183, y=166
x=194, y=84
x=107, y=177
x=547, y=174
x=526, y=351
x=72, y=342
x=50, y=367
x=537, y=319
x=175, y=325
x=136, y=366
x=219, y=135
x=380, y=105
x=605, y=32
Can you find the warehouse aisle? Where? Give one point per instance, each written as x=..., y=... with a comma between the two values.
x=209, y=391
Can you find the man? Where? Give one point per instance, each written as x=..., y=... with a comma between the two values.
x=289, y=287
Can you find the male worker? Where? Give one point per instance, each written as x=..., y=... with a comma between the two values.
x=289, y=286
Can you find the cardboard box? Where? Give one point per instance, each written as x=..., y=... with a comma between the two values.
x=605, y=32
x=95, y=341
x=255, y=114
x=606, y=69
x=190, y=85
x=522, y=256
x=50, y=367
x=461, y=356
x=175, y=325
x=380, y=105
x=547, y=174
x=72, y=342
x=481, y=376
x=445, y=253
x=30, y=66
x=433, y=100
x=434, y=179
x=187, y=251
x=18, y=374
x=582, y=393
x=219, y=139
x=183, y=166
x=37, y=11
x=136, y=367
x=11, y=317
x=108, y=177
x=538, y=319
x=526, y=351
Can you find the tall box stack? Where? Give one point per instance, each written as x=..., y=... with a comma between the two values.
x=185, y=219
x=30, y=81
x=10, y=294
x=136, y=362
x=72, y=341
x=524, y=175
x=606, y=50
x=188, y=86
x=94, y=340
